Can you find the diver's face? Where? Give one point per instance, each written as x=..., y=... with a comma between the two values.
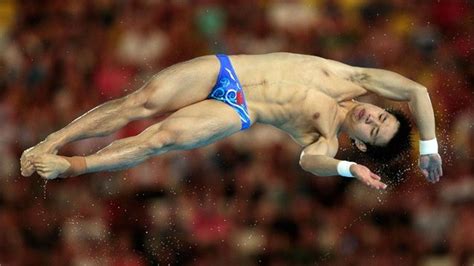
x=371, y=124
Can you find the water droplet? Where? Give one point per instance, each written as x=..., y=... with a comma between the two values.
x=44, y=189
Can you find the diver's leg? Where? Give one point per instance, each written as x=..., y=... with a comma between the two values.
x=191, y=127
x=175, y=87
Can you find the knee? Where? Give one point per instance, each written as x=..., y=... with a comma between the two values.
x=137, y=104
x=155, y=95
x=161, y=140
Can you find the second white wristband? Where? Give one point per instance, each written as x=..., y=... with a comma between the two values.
x=428, y=146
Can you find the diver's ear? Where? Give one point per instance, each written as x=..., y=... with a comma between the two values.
x=360, y=145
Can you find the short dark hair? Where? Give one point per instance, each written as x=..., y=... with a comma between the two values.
x=398, y=145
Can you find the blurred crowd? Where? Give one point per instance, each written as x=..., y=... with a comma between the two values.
x=244, y=200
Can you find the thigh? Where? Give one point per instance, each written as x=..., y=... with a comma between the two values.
x=201, y=124
x=182, y=84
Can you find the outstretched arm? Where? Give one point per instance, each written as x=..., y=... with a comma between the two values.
x=317, y=159
x=395, y=87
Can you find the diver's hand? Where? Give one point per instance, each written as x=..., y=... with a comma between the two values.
x=366, y=176
x=431, y=167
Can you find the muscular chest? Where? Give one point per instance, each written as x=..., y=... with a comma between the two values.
x=319, y=116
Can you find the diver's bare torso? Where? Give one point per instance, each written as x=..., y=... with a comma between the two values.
x=298, y=94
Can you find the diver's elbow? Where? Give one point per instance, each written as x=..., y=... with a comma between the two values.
x=305, y=163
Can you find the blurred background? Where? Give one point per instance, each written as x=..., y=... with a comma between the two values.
x=242, y=201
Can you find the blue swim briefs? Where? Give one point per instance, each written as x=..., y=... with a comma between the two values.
x=229, y=90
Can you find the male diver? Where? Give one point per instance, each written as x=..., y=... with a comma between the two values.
x=212, y=97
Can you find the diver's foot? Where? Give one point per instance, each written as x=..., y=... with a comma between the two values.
x=50, y=166
x=27, y=167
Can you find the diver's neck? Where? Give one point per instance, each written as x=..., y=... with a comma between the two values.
x=345, y=109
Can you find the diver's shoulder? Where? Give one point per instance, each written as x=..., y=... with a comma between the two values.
x=278, y=60
x=281, y=55
x=289, y=55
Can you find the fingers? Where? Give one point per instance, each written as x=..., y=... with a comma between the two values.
x=431, y=167
x=376, y=184
x=374, y=176
x=370, y=179
x=432, y=176
x=435, y=173
x=425, y=173
x=438, y=172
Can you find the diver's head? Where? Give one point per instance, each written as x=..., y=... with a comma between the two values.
x=379, y=133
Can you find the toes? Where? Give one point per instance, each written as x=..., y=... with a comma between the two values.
x=39, y=164
x=34, y=159
x=27, y=170
x=42, y=167
x=29, y=162
x=26, y=167
x=39, y=160
x=44, y=174
x=25, y=154
x=32, y=163
x=29, y=166
x=26, y=173
x=47, y=174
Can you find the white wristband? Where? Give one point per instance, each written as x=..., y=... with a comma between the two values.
x=428, y=146
x=343, y=168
